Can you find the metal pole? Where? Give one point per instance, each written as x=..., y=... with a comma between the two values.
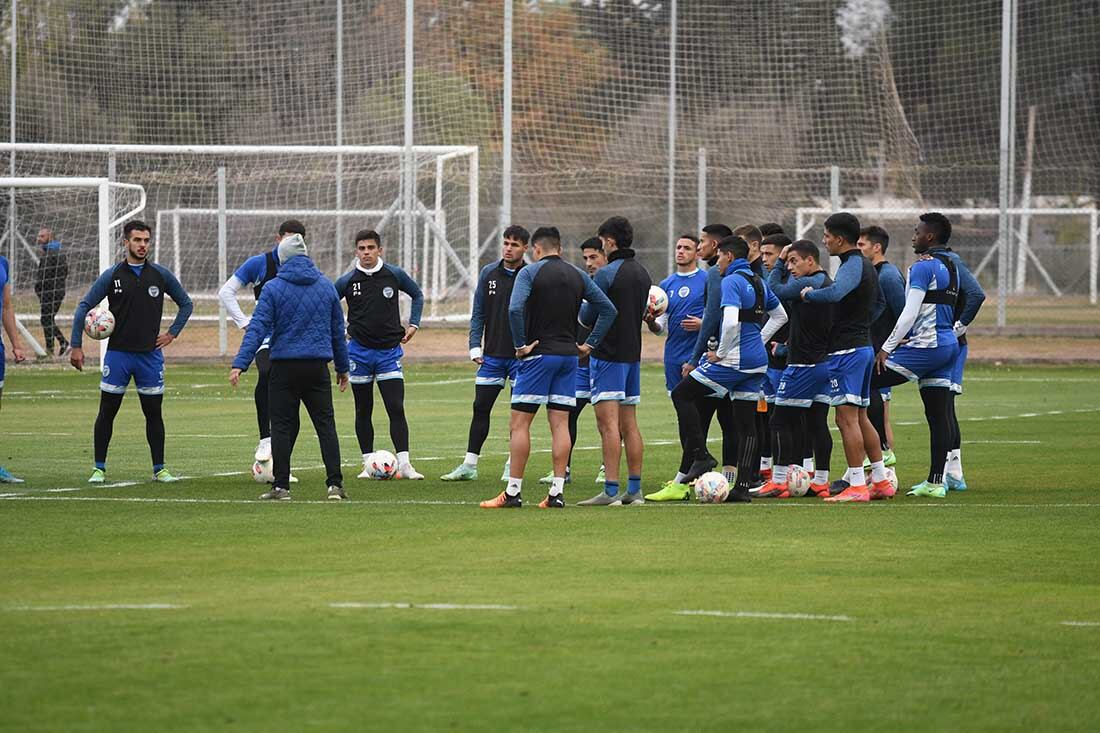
x=670, y=241
x=834, y=204
x=410, y=162
x=506, y=143
x=1007, y=51
x=1094, y=232
x=1023, y=240
x=223, y=336
x=339, y=132
x=11, y=158
x=177, y=265
x=475, y=250
x=105, y=243
x=1012, y=241
x=701, y=187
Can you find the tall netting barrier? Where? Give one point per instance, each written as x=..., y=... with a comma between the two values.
x=777, y=112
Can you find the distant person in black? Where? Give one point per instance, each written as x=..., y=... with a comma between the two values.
x=49, y=286
x=616, y=364
x=546, y=300
x=491, y=343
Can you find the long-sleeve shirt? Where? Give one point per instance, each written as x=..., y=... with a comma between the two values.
x=545, y=305
x=135, y=297
x=856, y=300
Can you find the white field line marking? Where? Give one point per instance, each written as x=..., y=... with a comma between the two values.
x=1085, y=380
x=46, y=435
x=1004, y=442
x=432, y=502
x=102, y=607
x=431, y=606
x=208, y=435
x=762, y=614
x=1080, y=623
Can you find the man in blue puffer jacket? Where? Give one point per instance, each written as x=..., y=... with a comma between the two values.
x=301, y=313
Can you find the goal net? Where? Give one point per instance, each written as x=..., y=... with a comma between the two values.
x=213, y=207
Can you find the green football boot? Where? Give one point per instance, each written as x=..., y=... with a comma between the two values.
x=600, y=476
x=671, y=491
x=99, y=476
x=464, y=472
x=164, y=477
x=549, y=478
x=924, y=488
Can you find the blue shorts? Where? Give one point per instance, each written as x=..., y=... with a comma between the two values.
x=583, y=387
x=931, y=367
x=615, y=380
x=374, y=365
x=771, y=383
x=546, y=379
x=803, y=384
x=956, y=373
x=673, y=374
x=726, y=381
x=494, y=370
x=887, y=393
x=146, y=368
x=850, y=376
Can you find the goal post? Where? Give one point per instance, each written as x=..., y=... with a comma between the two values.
x=59, y=196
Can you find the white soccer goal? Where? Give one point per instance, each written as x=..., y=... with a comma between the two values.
x=974, y=237
x=212, y=206
x=85, y=211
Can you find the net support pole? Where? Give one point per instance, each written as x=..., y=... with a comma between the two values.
x=834, y=204
x=11, y=129
x=506, y=134
x=338, y=259
x=223, y=335
x=475, y=250
x=104, y=229
x=1094, y=259
x=1007, y=82
x=409, y=215
x=177, y=269
x=1024, y=241
x=671, y=226
x=701, y=192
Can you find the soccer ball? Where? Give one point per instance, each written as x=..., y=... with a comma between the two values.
x=262, y=472
x=658, y=300
x=99, y=323
x=893, y=476
x=798, y=481
x=711, y=488
x=382, y=465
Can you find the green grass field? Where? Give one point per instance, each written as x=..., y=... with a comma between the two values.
x=954, y=612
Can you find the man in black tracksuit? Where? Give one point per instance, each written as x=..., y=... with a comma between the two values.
x=49, y=286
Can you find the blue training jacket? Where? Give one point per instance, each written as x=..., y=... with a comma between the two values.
x=301, y=312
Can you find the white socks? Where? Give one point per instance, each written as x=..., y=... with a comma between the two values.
x=679, y=477
x=557, y=486
x=878, y=471
x=471, y=459
x=765, y=463
x=808, y=464
x=403, y=458
x=515, y=485
x=820, y=477
x=954, y=463
x=779, y=475
x=856, y=477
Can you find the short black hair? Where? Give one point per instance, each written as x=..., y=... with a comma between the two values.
x=939, y=224
x=515, y=231
x=368, y=234
x=735, y=244
x=134, y=225
x=843, y=225
x=619, y=229
x=766, y=230
x=876, y=235
x=292, y=226
x=749, y=233
x=692, y=237
x=718, y=231
x=778, y=239
x=548, y=236
x=806, y=248
x=592, y=243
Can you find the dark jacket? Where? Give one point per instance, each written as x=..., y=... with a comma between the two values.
x=51, y=274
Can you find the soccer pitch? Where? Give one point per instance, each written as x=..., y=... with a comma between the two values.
x=138, y=606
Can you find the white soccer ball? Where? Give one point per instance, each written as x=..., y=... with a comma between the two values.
x=382, y=465
x=893, y=476
x=711, y=488
x=262, y=472
x=658, y=300
x=99, y=323
x=798, y=481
